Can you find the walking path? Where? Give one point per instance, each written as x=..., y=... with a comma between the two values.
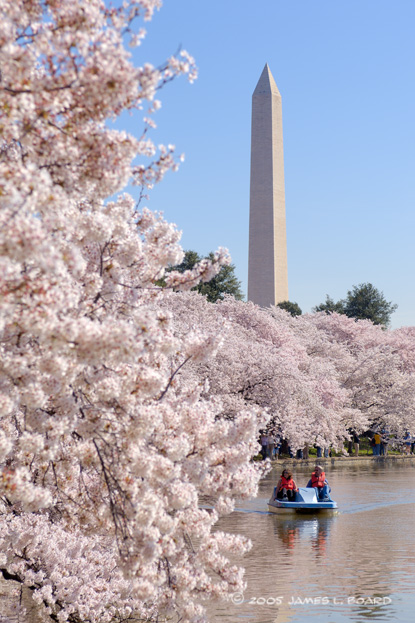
x=339, y=460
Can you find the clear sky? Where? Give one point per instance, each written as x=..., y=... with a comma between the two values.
x=346, y=73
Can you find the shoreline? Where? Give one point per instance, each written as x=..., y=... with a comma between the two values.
x=337, y=460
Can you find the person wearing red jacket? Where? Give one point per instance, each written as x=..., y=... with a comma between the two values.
x=320, y=484
x=286, y=488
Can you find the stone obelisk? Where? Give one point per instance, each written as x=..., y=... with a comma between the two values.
x=267, y=271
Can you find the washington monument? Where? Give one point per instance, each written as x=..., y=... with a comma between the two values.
x=267, y=270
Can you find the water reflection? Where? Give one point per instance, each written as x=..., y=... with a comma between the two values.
x=290, y=531
x=353, y=566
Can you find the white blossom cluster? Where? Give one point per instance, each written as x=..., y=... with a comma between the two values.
x=105, y=451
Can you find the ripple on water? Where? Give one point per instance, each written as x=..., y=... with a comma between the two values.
x=364, y=552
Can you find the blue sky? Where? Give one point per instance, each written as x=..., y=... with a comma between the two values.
x=346, y=74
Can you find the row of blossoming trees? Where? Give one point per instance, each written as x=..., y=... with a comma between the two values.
x=121, y=403
x=317, y=376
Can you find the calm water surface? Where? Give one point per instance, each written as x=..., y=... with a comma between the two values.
x=330, y=569
x=358, y=565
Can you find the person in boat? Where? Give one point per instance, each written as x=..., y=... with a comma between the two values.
x=319, y=482
x=286, y=488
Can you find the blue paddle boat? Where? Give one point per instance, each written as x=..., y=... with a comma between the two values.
x=305, y=502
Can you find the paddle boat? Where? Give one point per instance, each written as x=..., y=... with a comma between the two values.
x=305, y=502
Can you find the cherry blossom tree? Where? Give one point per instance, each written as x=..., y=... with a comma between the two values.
x=374, y=365
x=317, y=376
x=104, y=449
x=264, y=365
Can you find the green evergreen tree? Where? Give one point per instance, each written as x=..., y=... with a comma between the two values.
x=363, y=302
x=330, y=306
x=225, y=281
x=292, y=308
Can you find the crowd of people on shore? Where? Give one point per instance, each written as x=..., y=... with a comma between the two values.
x=273, y=446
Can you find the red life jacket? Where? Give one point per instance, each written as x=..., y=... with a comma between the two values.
x=318, y=481
x=287, y=484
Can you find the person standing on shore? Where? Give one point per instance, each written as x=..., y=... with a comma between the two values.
x=264, y=445
x=270, y=446
x=376, y=447
x=356, y=442
x=407, y=443
x=384, y=443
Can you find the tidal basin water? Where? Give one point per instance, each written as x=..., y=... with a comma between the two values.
x=357, y=565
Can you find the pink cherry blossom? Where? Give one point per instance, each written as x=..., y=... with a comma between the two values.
x=105, y=452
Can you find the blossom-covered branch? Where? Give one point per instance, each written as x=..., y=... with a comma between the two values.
x=104, y=450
